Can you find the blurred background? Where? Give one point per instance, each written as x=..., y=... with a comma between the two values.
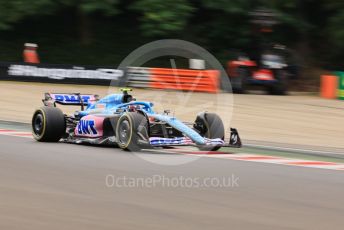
x=103, y=32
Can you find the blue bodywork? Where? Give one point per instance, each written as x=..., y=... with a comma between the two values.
x=192, y=134
x=113, y=103
x=118, y=104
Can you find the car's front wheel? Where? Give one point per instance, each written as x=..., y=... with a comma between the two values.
x=210, y=125
x=131, y=128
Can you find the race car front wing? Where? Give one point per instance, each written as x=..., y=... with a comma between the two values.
x=234, y=141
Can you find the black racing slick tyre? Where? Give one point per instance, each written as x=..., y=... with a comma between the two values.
x=132, y=127
x=210, y=125
x=48, y=124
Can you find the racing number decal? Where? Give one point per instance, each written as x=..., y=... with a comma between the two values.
x=87, y=127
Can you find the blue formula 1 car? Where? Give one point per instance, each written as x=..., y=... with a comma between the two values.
x=120, y=120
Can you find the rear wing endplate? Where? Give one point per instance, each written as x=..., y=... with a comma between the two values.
x=51, y=99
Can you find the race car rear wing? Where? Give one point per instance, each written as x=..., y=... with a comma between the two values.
x=51, y=99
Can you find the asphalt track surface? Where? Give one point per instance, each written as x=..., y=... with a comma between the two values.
x=63, y=186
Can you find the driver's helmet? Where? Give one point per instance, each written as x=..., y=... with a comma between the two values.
x=127, y=97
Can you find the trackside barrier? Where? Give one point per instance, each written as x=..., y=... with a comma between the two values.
x=175, y=79
x=189, y=80
x=159, y=78
x=328, y=86
x=138, y=77
x=332, y=86
x=64, y=74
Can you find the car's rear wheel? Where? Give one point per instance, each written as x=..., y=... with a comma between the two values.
x=132, y=127
x=210, y=125
x=48, y=124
